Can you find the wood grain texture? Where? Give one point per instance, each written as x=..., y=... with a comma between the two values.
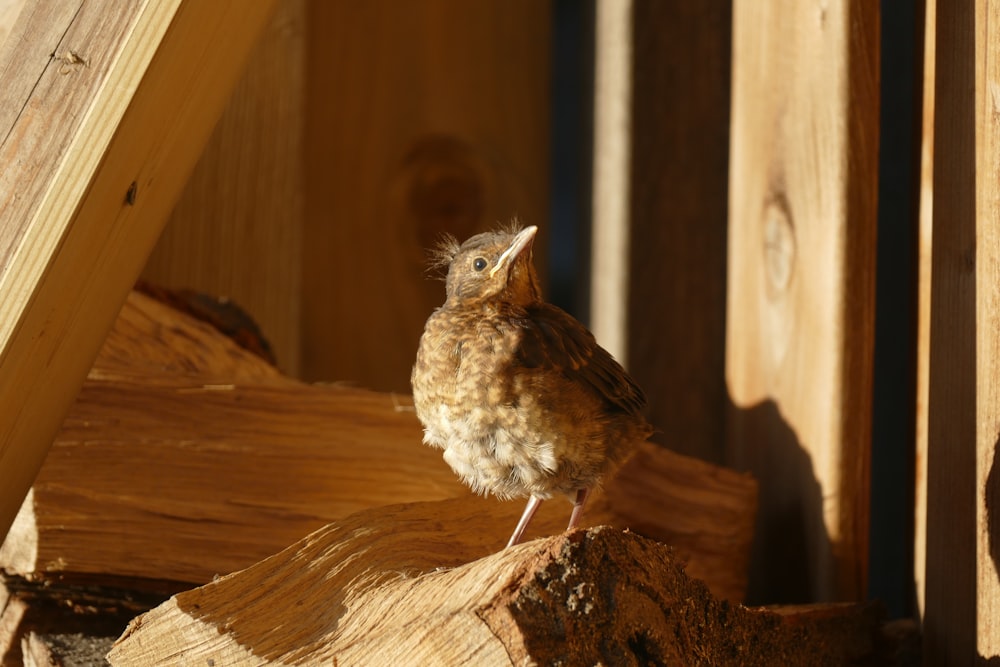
x=399, y=586
x=800, y=316
x=987, y=483
x=676, y=300
x=204, y=459
x=950, y=578
x=613, y=45
x=237, y=228
x=423, y=118
x=926, y=217
x=36, y=143
x=9, y=11
x=962, y=597
x=128, y=98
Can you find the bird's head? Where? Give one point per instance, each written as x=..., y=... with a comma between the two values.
x=491, y=266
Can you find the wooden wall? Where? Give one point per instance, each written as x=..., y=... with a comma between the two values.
x=800, y=322
x=360, y=133
x=676, y=299
x=237, y=229
x=423, y=118
x=752, y=176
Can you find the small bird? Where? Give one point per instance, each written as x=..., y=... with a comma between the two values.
x=517, y=392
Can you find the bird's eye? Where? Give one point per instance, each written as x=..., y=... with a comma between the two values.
x=479, y=263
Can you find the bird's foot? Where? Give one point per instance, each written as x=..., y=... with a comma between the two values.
x=529, y=511
x=581, y=500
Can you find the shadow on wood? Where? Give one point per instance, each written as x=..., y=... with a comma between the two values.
x=792, y=558
x=398, y=585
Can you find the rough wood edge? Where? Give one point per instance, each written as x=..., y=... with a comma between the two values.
x=375, y=589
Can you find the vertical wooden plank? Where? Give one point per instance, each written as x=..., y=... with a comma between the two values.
x=423, y=118
x=236, y=230
x=803, y=180
x=613, y=134
x=924, y=307
x=962, y=598
x=987, y=513
x=680, y=152
x=950, y=578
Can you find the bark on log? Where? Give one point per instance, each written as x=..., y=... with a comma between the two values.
x=202, y=459
x=152, y=339
x=49, y=623
x=395, y=586
x=63, y=650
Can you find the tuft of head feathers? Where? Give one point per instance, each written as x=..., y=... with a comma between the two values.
x=511, y=228
x=440, y=256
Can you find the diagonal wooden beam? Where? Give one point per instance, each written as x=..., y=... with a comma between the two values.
x=107, y=105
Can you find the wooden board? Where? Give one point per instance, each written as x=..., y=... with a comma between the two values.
x=106, y=108
x=423, y=118
x=949, y=620
x=613, y=43
x=987, y=480
x=924, y=308
x=962, y=579
x=236, y=230
x=800, y=318
x=676, y=298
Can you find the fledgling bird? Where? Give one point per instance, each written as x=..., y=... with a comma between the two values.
x=517, y=392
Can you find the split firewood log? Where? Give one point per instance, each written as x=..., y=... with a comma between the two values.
x=397, y=586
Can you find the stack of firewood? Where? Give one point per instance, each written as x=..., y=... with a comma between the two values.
x=262, y=520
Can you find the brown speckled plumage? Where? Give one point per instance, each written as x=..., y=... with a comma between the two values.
x=515, y=391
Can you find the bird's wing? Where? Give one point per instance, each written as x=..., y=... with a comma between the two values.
x=554, y=340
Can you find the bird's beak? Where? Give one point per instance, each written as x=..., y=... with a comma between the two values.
x=520, y=243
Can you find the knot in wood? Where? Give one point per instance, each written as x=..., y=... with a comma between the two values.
x=445, y=187
x=779, y=247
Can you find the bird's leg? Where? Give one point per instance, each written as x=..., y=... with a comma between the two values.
x=529, y=511
x=581, y=499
